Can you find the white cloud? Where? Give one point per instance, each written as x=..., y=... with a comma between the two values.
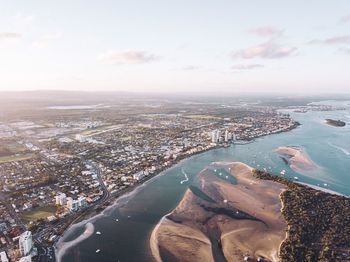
x=344, y=39
x=345, y=19
x=127, y=57
x=45, y=40
x=267, y=31
x=246, y=66
x=268, y=50
x=191, y=68
x=9, y=35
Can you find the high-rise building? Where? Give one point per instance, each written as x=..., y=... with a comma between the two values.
x=213, y=136
x=3, y=257
x=233, y=137
x=218, y=135
x=25, y=243
x=72, y=204
x=82, y=202
x=226, y=135
x=61, y=199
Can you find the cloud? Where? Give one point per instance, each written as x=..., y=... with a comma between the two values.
x=191, y=68
x=45, y=40
x=345, y=50
x=345, y=39
x=127, y=57
x=24, y=18
x=9, y=35
x=247, y=66
x=345, y=19
x=268, y=50
x=266, y=31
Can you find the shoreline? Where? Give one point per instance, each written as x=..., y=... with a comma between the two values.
x=193, y=212
x=99, y=210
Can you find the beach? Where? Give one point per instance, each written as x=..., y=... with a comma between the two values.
x=244, y=218
x=299, y=160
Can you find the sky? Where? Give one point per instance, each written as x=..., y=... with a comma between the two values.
x=223, y=46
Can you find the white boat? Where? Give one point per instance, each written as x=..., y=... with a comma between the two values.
x=98, y=233
x=98, y=251
x=117, y=220
x=296, y=178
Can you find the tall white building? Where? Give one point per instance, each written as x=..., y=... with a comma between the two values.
x=3, y=257
x=72, y=205
x=82, y=202
x=213, y=136
x=227, y=135
x=61, y=199
x=233, y=137
x=25, y=243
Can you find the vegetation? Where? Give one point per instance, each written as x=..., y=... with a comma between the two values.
x=39, y=213
x=318, y=223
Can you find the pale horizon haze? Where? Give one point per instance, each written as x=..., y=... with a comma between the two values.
x=176, y=46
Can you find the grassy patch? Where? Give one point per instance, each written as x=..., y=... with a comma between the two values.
x=38, y=213
x=6, y=159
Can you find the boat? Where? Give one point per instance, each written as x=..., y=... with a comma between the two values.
x=296, y=178
x=117, y=220
x=98, y=233
x=98, y=251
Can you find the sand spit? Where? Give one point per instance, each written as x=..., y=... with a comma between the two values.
x=299, y=160
x=219, y=218
x=63, y=247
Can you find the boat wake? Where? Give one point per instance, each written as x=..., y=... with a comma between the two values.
x=186, y=177
x=63, y=246
x=346, y=152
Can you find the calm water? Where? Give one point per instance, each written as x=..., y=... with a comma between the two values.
x=138, y=212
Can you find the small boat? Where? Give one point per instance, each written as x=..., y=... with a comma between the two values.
x=283, y=172
x=226, y=177
x=325, y=184
x=117, y=220
x=98, y=233
x=129, y=216
x=296, y=178
x=98, y=251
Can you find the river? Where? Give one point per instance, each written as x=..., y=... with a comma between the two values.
x=126, y=226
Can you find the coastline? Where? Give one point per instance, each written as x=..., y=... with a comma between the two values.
x=220, y=212
x=97, y=211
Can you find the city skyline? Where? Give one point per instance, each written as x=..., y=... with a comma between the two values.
x=191, y=46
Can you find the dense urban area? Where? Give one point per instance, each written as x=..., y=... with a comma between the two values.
x=59, y=163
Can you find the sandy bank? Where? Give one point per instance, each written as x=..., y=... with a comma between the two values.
x=299, y=160
x=240, y=219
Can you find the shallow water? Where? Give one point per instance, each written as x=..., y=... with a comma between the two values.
x=139, y=211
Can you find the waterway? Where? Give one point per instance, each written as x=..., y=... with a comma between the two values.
x=126, y=226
